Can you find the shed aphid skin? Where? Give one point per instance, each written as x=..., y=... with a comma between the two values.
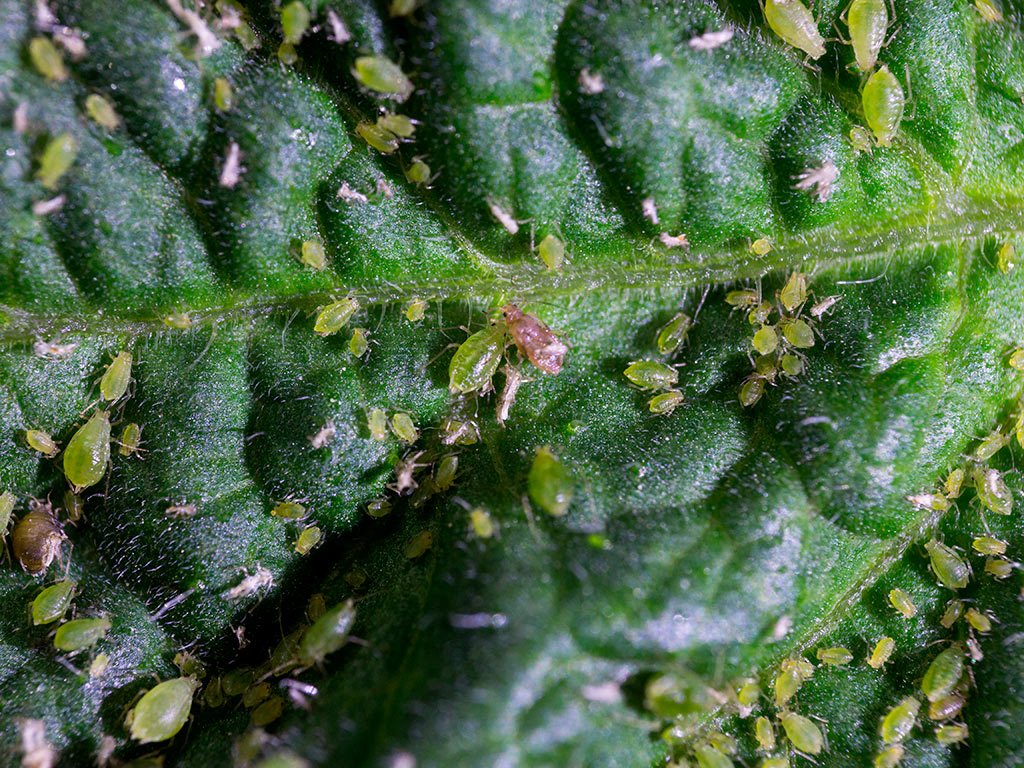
x=349, y=195
x=883, y=102
x=380, y=74
x=53, y=350
x=765, y=734
x=53, y=602
x=552, y=252
x=902, y=602
x=992, y=491
x=476, y=360
x=377, y=423
x=37, y=538
x=674, y=241
x=181, y=511
x=793, y=22
x=88, y=452
x=711, y=40
x=868, y=21
x=947, y=735
x=651, y=375
x=79, y=634
x=672, y=335
x=534, y=340
x=665, y=403
x=328, y=634
x=101, y=112
x=803, y=733
x=504, y=218
x=978, y=620
x=649, y=209
x=179, y=320
x=818, y=181
x=36, y=751
x=289, y=510
x=514, y=379
x=709, y=757
x=881, y=653
x=933, y=501
x=163, y=710
x=549, y=482
x=334, y=317
x=405, y=470
x=974, y=648
x=890, y=757
x=590, y=83
x=834, y=656
x=404, y=428
x=313, y=255
x=481, y=523
x=47, y=59
x=262, y=578
x=324, y=436
x=115, y=380
x=416, y=310
x=57, y=157
x=232, y=169
x=989, y=11
x=948, y=567
x=943, y=673
x=900, y=720
x=131, y=439
x=41, y=441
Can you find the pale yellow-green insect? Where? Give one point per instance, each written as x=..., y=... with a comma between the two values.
x=163, y=710
x=793, y=22
x=868, y=21
x=115, y=380
x=88, y=452
x=883, y=102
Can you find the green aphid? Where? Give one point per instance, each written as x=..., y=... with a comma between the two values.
x=114, y=382
x=890, y=757
x=101, y=112
x=294, y=21
x=377, y=423
x=933, y=501
x=78, y=634
x=163, y=710
x=751, y=390
x=223, y=94
x=235, y=681
x=723, y=742
x=761, y=314
x=7, y=501
x=328, y=634
x=954, y=610
x=663, y=404
x=99, y=664
x=989, y=11
x=358, y=344
x=651, y=375
x=882, y=652
x=793, y=22
x=131, y=439
x=552, y=252
x=1006, y=259
x=476, y=360
x=943, y=673
x=189, y=665
x=834, y=656
x=673, y=333
x=266, y=713
x=255, y=695
x=986, y=545
x=992, y=491
x=447, y=468
x=954, y=483
x=309, y=538
x=380, y=139
x=289, y=510
x=418, y=545
x=802, y=732
x=766, y=340
x=550, y=484
x=404, y=428
x=401, y=125
x=765, y=734
x=949, y=568
x=416, y=310
x=1016, y=360
x=38, y=440
x=418, y=172
x=53, y=602
x=991, y=445
x=998, y=568
x=709, y=757
x=742, y=298
x=748, y=696
x=791, y=365
x=179, y=320
x=382, y=75
x=947, y=735
x=47, y=59
x=797, y=332
x=868, y=21
x=334, y=317
x=313, y=255
x=948, y=707
x=287, y=54
x=762, y=246
x=902, y=602
x=402, y=7
x=775, y=762
x=900, y=720
x=794, y=292
x=883, y=102
x=980, y=621
x=57, y=157
x=213, y=694
x=88, y=452
x=791, y=676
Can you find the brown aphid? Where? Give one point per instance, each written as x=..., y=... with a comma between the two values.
x=534, y=339
x=37, y=537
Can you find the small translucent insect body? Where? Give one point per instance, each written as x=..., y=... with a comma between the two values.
x=101, y=112
x=992, y=491
x=223, y=94
x=765, y=734
x=761, y=314
x=251, y=583
x=951, y=734
x=868, y=21
x=41, y=441
x=534, y=339
x=308, y=539
x=742, y=299
x=791, y=365
x=416, y=310
x=294, y=21
x=118, y=375
x=794, y=293
x=1016, y=360
x=266, y=713
x=289, y=510
x=334, y=317
x=57, y=157
x=974, y=649
x=723, y=742
x=860, y=138
x=990, y=445
x=47, y=59
x=761, y=247
x=902, y=602
x=943, y=673
x=7, y=500
x=933, y=501
x=514, y=379
x=748, y=696
x=53, y=602
x=947, y=707
x=36, y=538
x=78, y=634
x=989, y=546
x=651, y=375
x=444, y=478
x=404, y=428
x=418, y=172
x=883, y=101
x=99, y=664
x=775, y=762
x=481, y=523
x=377, y=423
x=998, y=568
x=313, y=255
x=666, y=402
x=358, y=344
x=751, y=390
x=709, y=757
x=890, y=757
x=287, y=54
x=797, y=332
x=954, y=483
x=989, y=11
x=882, y=652
x=400, y=125
x=954, y=610
x=802, y=732
x=949, y=568
x=552, y=252
x=378, y=507
x=766, y=340
x=673, y=333
x=549, y=483
x=131, y=438
x=476, y=360
x=382, y=75
x=792, y=674
x=900, y=720
x=255, y=694
x=794, y=23
x=179, y=320
x=328, y=633
x=418, y=545
x=182, y=511
x=1006, y=259
x=88, y=452
x=978, y=620
x=834, y=656
x=163, y=710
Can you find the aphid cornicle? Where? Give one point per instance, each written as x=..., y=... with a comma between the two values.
x=794, y=23
x=868, y=21
x=163, y=710
x=883, y=101
x=53, y=602
x=534, y=339
x=88, y=452
x=118, y=375
x=476, y=360
x=77, y=634
x=36, y=538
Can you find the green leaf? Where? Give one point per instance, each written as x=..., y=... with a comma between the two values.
x=707, y=546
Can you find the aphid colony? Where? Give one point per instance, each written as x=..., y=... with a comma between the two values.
x=658, y=377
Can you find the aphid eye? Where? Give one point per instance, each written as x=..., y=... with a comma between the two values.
x=313, y=255
x=382, y=75
x=552, y=252
x=88, y=452
x=794, y=23
x=883, y=101
x=101, y=112
x=802, y=732
x=289, y=510
x=163, y=710
x=943, y=673
x=834, y=656
x=882, y=652
x=328, y=633
x=651, y=375
x=404, y=428
x=868, y=21
x=53, y=602
x=673, y=333
x=131, y=439
x=902, y=602
x=549, y=483
x=78, y=634
x=951, y=571
x=334, y=317
x=900, y=720
x=41, y=441
x=118, y=375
